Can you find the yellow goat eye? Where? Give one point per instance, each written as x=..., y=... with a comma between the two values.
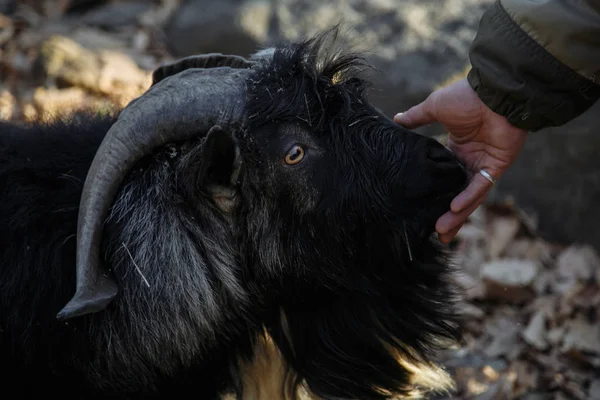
x=294, y=155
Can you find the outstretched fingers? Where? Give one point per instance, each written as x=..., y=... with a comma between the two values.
x=462, y=207
x=449, y=224
x=477, y=190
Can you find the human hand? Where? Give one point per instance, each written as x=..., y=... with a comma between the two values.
x=480, y=138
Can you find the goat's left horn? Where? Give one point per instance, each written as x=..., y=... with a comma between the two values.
x=182, y=106
x=211, y=60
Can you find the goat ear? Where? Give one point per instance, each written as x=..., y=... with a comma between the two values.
x=212, y=60
x=220, y=167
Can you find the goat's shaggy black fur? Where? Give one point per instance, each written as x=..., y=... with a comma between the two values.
x=332, y=258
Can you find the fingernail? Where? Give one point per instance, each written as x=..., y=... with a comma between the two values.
x=398, y=115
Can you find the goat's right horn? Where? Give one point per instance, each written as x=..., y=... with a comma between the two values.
x=184, y=106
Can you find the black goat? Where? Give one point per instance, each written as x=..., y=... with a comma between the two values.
x=239, y=209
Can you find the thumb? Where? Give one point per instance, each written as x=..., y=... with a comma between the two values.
x=419, y=115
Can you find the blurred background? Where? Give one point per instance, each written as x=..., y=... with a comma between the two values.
x=528, y=258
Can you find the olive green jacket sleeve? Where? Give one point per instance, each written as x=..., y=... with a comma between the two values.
x=537, y=62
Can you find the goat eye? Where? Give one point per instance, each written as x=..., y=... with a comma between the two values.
x=294, y=155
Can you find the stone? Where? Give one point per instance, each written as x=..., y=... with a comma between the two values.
x=7, y=104
x=65, y=63
x=115, y=15
x=205, y=26
x=594, y=390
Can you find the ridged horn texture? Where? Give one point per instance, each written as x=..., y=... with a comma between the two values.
x=179, y=107
x=211, y=60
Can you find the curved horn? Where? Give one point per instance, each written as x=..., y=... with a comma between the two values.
x=182, y=106
x=211, y=60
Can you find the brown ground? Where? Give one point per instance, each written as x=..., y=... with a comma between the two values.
x=534, y=306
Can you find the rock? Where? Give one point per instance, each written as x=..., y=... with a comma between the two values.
x=594, y=390
x=7, y=104
x=535, y=333
x=509, y=280
x=66, y=63
x=63, y=61
x=120, y=77
x=115, y=15
x=205, y=26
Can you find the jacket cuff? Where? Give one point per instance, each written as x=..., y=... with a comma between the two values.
x=517, y=78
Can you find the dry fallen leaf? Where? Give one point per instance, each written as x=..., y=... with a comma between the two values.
x=502, y=231
x=535, y=333
x=578, y=262
x=509, y=280
x=504, y=334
